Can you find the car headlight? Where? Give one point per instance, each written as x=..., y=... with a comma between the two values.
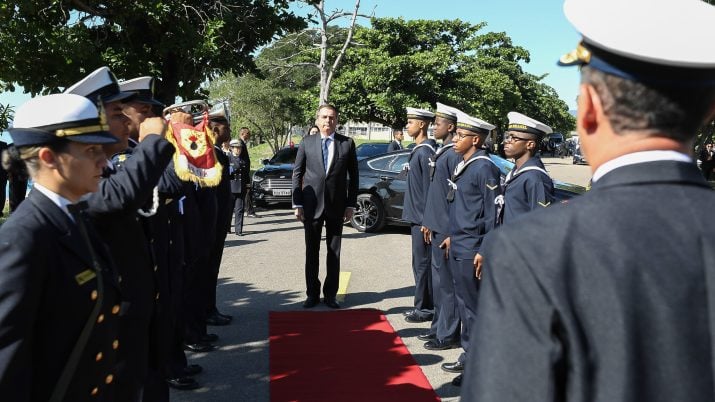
x=257, y=178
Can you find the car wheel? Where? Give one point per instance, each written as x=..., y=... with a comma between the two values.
x=369, y=215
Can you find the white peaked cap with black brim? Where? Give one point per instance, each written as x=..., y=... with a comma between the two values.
x=479, y=126
x=415, y=113
x=446, y=112
x=46, y=119
x=101, y=84
x=658, y=42
x=525, y=124
x=142, y=88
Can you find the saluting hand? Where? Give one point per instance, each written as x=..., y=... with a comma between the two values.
x=445, y=246
x=478, y=265
x=151, y=125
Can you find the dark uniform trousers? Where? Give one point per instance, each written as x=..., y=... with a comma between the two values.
x=622, y=312
x=422, y=271
x=224, y=212
x=48, y=289
x=446, y=325
x=467, y=295
x=113, y=209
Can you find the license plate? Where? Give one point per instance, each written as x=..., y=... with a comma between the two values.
x=281, y=192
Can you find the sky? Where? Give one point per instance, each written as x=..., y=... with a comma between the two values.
x=538, y=26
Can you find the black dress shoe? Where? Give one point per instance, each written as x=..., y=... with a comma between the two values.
x=183, y=383
x=209, y=338
x=415, y=318
x=435, y=344
x=311, y=302
x=220, y=315
x=199, y=347
x=408, y=312
x=457, y=381
x=426, y=336
x=192, y=369
x=456, y=367
x=252, y=215
x=332, y=303
x=217, y=321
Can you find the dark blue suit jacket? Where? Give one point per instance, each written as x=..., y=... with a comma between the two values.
x=317, y=192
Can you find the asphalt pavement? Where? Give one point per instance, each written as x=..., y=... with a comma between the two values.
x=262, y=271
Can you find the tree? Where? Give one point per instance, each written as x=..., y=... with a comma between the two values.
x=6, y=115
x=49, y=44
x=418, y=63
x=267, y=109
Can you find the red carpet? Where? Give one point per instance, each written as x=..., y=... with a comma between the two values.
x=342, y=356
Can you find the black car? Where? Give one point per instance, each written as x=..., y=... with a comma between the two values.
x=381, y=191
x=368, y=149
x=273, y=182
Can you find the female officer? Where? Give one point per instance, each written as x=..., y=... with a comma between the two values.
x=59, y=303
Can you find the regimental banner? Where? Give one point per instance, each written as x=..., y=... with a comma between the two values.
x=195, y=158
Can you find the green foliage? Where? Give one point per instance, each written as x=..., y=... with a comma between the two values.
x=269, y=110
x=6, y=115
x=418, y=63
x=49, y=44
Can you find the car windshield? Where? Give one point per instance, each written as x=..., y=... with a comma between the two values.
x=284, y=156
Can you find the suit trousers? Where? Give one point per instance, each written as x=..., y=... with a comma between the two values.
x=3, y=187
x=333, y=238
x=446, y=324
x=422, y=271
x=238, y=209
x=466, y=286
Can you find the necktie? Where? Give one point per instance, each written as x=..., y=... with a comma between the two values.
x=325, y=152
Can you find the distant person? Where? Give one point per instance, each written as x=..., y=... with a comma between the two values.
x=244, y=135
x=314, y=130
x=707, y=160
x=396, y=143
x=239, y=176
x=3, y=178
x=325, y=183
x=18, y=180
x=609, y=297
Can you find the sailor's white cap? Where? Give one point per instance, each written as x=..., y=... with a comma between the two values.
x=446, y=112
x=99, y=84
x=142, y=88
x=479, y=126
x=234, y=143
x=652, y=41
x=46, y=119
x=415, y=113
x=525, y=124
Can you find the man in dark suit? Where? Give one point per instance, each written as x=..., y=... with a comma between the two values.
x=3, y=178
x=622, y=309
x=244, y=135
x=239, y=177
x=396, y=143
x=325, y=183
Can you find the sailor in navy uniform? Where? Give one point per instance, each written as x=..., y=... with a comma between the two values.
x=528, y=186
x=418, y=182
x=239, y=178
x=59, y=297
x=474, y=187
x=114, y=211
x=618, y=304
x=444, y=331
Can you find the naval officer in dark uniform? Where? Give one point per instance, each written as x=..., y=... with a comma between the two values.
x=474, y=187
x=59, y=297
x=444, y=331
x=418, y=182
x=113, y=209
x=622, y=310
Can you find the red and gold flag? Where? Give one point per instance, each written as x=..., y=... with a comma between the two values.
x=195, y=157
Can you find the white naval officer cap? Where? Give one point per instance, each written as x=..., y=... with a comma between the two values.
x=657, y=42
x=473, y=124
x=234, y=143
x=142, y=88
x=414, y=113
x=47, y=119
x=99, y=84
x=446, y=112
x=525, y=124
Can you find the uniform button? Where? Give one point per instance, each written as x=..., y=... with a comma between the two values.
x=109, y=379
x=95, y=391
x=99, y=356
x=94, y=295
x=100, y=318
x=157, y=296
x=137, y=218
x=171, y=242
x=119, y=279
x=156, y=268
x=151, y=240
x=115, y=344
x=115, y=309
x=168, y=221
